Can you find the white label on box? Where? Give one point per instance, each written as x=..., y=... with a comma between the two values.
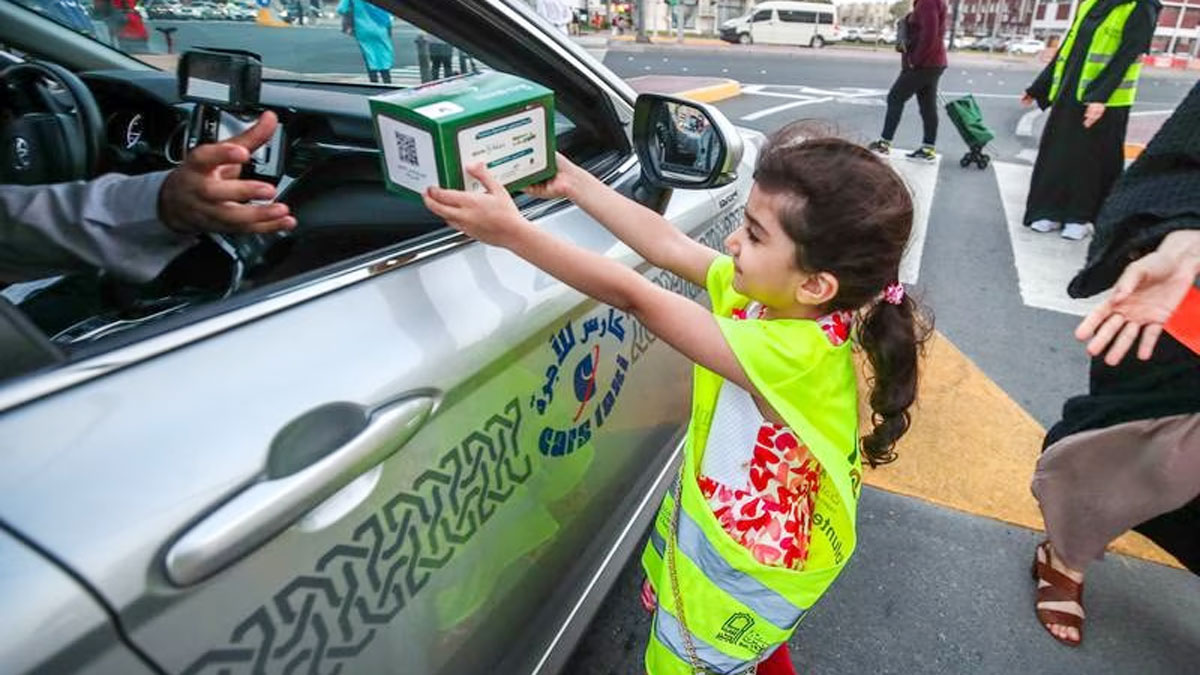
x=408, y=152
x=440, y=109
x=511, y=147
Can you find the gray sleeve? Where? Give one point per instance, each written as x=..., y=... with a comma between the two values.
x=110, y=223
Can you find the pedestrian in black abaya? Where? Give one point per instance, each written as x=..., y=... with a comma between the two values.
x=1089, y=87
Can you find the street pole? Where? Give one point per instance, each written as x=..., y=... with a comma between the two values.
x=679, y=20
x=641, y=19
x=953, y=26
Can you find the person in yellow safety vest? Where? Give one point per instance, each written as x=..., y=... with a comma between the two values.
x=825, y=228
x=1089, y=87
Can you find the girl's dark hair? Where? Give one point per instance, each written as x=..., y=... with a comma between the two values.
x=851, y=216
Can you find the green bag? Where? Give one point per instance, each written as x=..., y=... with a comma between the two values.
x=968, y=119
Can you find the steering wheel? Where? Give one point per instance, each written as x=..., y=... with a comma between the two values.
x=55, y=142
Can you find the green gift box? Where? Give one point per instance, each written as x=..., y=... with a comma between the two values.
x=429, y=134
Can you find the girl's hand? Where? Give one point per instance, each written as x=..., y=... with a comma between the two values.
x=1143, y=299
x=564, y=183
x=491, y=217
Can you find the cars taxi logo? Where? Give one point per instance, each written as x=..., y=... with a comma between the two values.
x=587, y=354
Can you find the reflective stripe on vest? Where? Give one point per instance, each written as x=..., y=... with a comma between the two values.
x=1105, y=42
x=668, y=632
x=742, y=587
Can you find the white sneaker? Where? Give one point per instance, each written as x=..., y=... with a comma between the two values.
x=1075, y=231
x=1045, y=225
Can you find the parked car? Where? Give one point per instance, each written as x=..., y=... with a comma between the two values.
x=780, y=22
x=370, y=445
x=869, y=35
x=991, y=44
x=1026, y=46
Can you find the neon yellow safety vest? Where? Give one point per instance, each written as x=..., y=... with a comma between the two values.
x=1105, y=43
x=737, y=610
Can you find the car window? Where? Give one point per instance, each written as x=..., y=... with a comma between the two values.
x=826, y=17
x=762, y=15
x=332, y=171
x=798, y=16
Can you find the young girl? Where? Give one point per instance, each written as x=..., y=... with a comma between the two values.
x=761, y=519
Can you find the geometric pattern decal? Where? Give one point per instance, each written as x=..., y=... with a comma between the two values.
x=318, y=621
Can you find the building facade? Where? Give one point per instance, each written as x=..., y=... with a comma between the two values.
x=1003, y=18
x=1178, y=30
x=865, y=14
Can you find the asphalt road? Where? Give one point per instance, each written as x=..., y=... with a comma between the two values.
x=320, y=48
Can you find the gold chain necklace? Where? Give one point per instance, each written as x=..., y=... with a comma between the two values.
x=688, y=644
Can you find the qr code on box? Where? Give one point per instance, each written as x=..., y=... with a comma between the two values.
x=406, y=149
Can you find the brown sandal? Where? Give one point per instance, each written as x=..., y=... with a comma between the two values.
x=1054, y=586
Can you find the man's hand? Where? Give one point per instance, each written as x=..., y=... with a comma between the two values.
x=204, y=194
x=1092, y=114
x=491, y=217
x=1143, y=299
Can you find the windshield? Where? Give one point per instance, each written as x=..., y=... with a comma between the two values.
x=325, y=40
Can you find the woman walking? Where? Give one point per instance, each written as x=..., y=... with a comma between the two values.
x=372, y=28
x=922, y=62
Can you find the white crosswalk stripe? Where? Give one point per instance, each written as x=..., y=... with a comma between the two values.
x=1045, y=262
x=921, y=178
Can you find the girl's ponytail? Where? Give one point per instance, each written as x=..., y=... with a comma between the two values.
x=892, y=336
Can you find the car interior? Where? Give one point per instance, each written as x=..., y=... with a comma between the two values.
x=84, y=121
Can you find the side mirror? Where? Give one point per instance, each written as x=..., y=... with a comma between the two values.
x=685, y=144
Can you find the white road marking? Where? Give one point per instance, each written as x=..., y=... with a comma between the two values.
x=805, y=96
x=1028, y=155
x=1025, y=124
x=921, y=178
x=1045, y=262
x=979, y=95
x=786, y=106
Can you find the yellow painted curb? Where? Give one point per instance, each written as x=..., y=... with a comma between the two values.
x=266, y=18
x=973, y=449
x=714, y=92
x=1133, y=150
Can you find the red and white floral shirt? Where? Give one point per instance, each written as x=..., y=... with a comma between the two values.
x=758, y=476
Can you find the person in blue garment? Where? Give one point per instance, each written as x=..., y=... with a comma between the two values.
x=372, y=28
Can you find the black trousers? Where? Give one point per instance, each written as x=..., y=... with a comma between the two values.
x=920, y=81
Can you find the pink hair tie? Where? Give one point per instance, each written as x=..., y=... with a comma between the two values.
x=893, y=293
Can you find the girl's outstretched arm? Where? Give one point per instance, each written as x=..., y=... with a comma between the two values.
x=493, y=218
x=645, y=231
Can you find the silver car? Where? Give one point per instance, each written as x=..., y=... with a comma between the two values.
x=370, y=446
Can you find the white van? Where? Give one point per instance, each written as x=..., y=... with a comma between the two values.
x=785, y=23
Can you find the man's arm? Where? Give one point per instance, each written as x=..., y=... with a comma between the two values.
x=108, y=223
x=133, y=226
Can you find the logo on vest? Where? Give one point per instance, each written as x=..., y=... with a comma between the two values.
x=737, y=631
x=586, y=354
x=735, y=627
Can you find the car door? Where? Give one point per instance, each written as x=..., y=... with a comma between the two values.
x=52, y=624
x=764, y=27
x=369, y=468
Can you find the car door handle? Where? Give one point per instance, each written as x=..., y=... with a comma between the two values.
x=299, y=477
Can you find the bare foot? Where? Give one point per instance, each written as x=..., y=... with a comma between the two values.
x=1061, y=604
